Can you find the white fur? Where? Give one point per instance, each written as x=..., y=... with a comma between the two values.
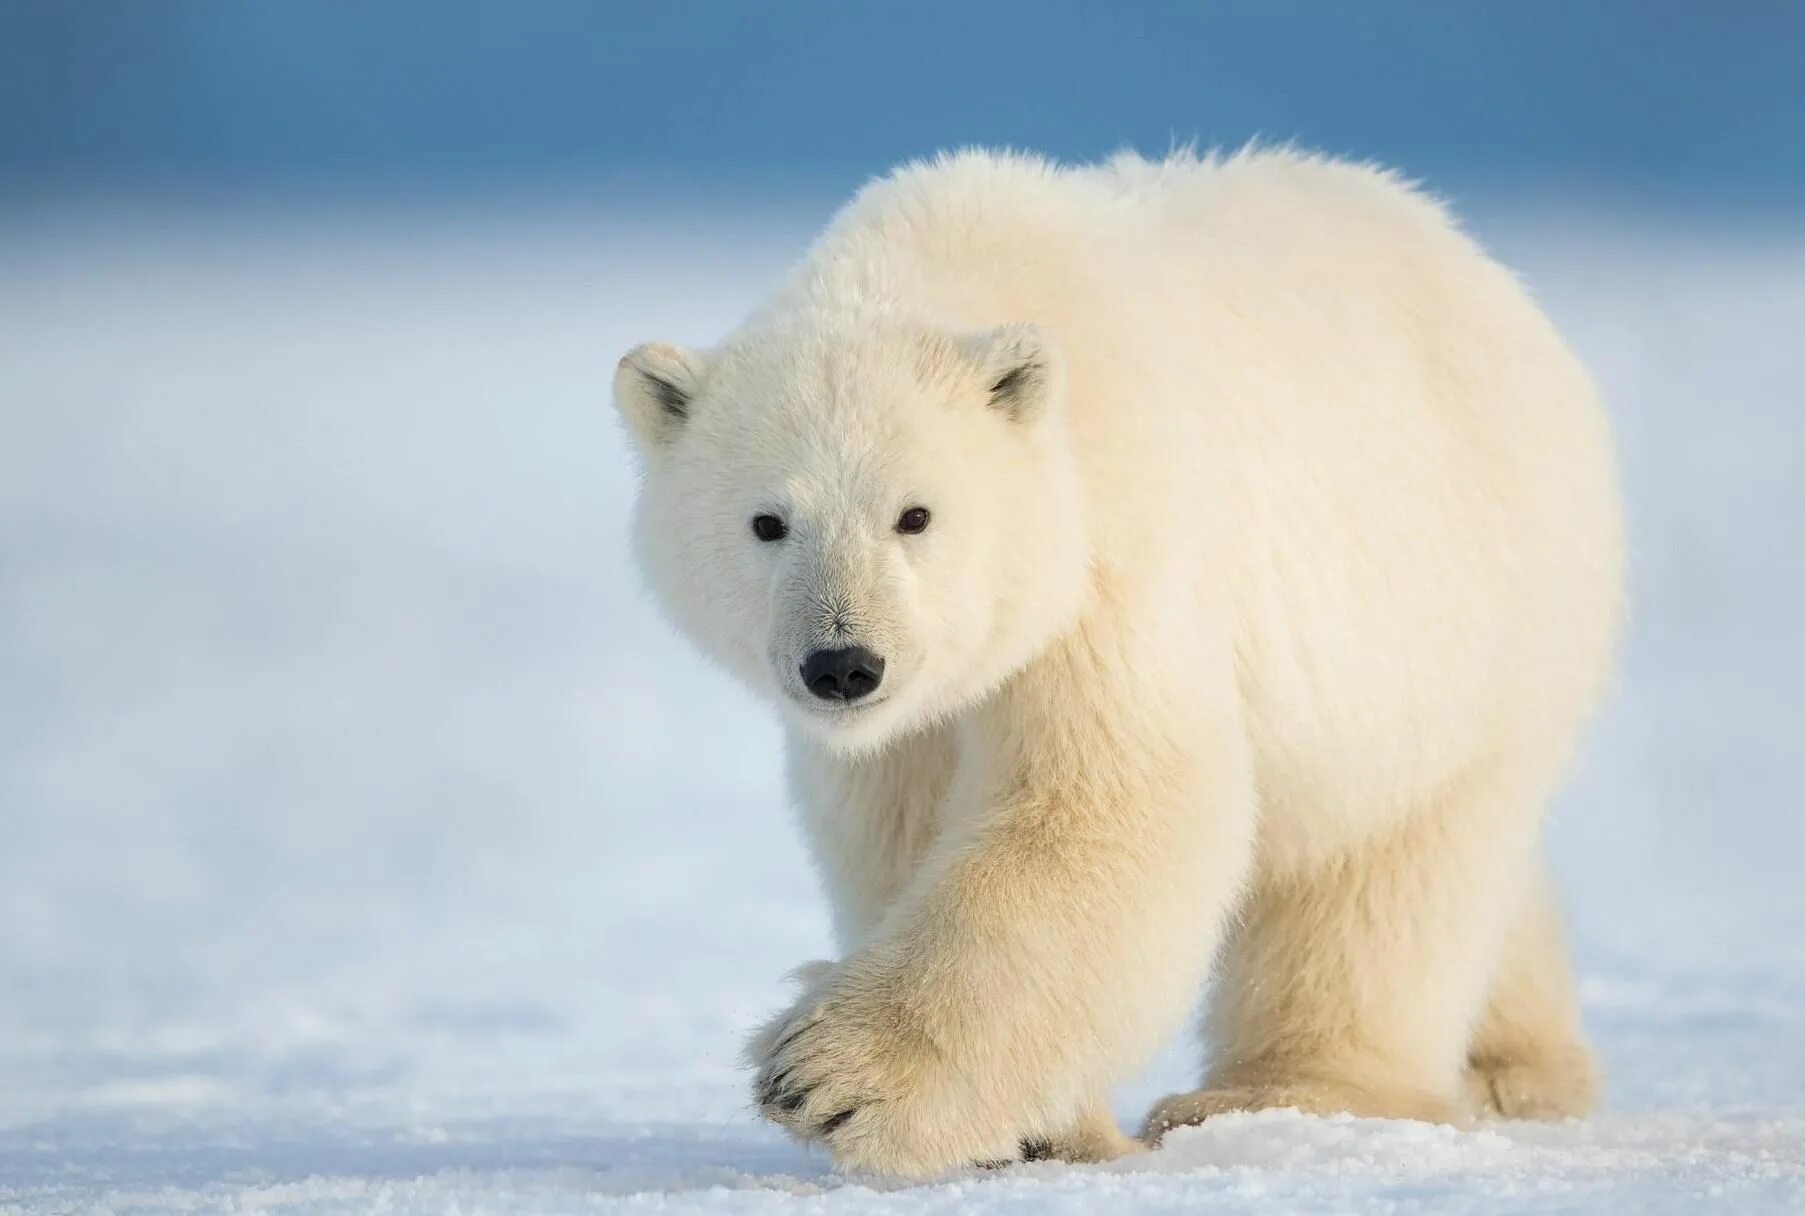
x=1259, y=620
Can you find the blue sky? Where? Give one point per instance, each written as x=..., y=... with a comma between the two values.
x=1652, y=97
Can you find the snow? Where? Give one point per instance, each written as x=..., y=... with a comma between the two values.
x=354, y=853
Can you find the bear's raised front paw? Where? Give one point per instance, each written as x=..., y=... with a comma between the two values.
x=854, y=1069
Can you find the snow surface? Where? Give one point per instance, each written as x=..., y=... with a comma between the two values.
x=355, y=851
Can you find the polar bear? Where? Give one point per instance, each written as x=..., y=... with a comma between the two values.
x=1158, y=566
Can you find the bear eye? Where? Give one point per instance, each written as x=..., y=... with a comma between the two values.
x=769, y=527
x=912, y=521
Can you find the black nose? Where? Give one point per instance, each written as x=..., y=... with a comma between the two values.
x=845, y=674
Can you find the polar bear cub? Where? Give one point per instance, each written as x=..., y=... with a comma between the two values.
x=1157, y=565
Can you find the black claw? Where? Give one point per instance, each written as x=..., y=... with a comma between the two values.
x=771, y=1089
x=788, y=1038
x=1037, y=1149
x=835, y=1122
x=792, y=1101
x=991, y=1165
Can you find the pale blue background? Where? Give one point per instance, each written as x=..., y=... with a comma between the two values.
x=1665, y=98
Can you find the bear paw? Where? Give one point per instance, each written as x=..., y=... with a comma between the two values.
x=1092, y=1139
x=1558, y=1084
x=851, y=1067
x=1310, y=1097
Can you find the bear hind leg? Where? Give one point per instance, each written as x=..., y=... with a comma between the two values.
x=1354, y=986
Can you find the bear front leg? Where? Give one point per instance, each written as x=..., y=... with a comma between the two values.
x=1056, y=931
x=869, y=819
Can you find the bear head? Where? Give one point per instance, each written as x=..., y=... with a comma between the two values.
x=873, y=521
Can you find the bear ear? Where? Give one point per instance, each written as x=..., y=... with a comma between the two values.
x=653, y=388
x=1021, y=369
